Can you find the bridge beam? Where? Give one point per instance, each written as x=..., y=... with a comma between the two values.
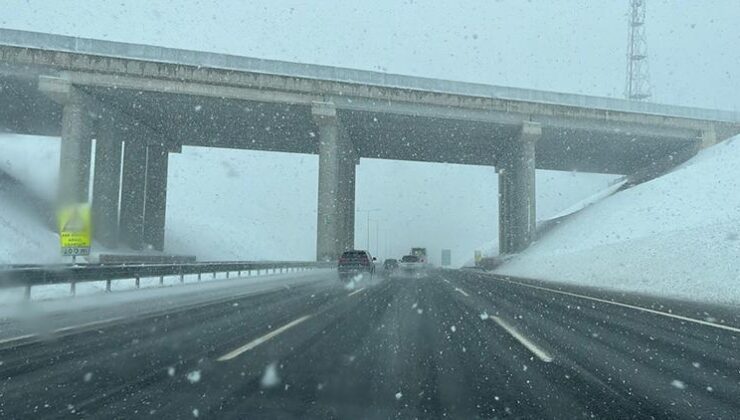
x=331, y=235
x=106, y=182
x=156, y=196
x=516, y=177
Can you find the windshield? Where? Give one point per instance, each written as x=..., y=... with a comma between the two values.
x=380, y=209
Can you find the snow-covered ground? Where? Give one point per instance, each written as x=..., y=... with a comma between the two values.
x=33, y=160
x=677, y=235
x=23, y=238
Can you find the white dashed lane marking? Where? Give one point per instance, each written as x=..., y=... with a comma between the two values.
x=256, y=342
x=541, y=354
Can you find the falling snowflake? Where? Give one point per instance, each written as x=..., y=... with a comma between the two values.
x=678, y=384
x=270, y=378
x=194, y=376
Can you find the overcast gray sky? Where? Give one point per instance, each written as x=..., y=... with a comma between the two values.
x=565, y=45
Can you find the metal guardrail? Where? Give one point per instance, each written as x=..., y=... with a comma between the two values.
x=53, y=42
x=27, y=276
x=145, y=259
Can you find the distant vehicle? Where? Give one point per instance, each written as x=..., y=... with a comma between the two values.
x=390, y=264
x=411, y=264
x=355, y=262
x=421, y=253
x=489, y=263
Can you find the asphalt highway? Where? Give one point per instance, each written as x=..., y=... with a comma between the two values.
x=447, y=344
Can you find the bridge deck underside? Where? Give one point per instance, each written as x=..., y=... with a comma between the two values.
x=230, y=123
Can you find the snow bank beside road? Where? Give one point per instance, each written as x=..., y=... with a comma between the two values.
x=23, y=238
x=32, y=160
x=677, y=235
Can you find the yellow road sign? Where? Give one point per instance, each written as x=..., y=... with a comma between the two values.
x=478, y=255
x=75, y=229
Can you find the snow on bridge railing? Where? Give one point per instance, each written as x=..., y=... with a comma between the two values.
x=27, y=276
x=52, y=42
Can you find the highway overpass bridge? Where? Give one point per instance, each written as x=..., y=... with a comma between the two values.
x=141, y=103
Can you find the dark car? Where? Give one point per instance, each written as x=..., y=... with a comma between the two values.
x=390, y=264
x=355, y=262
x=411, y=264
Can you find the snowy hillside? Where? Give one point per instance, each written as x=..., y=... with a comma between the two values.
x=677, y=235
x=23, y=238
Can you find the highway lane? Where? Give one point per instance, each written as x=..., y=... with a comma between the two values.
x=453, y=344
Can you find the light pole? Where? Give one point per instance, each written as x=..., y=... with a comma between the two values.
x=385, y=236
x=377, y=236
x=368, y=211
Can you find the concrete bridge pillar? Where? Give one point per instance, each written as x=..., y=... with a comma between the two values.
x=156, y=196
x=347, y=175
x=77, y=130
x=133, y=190
x=74, y=164
x=516, y=178
x=106, y=182
x=331, y=218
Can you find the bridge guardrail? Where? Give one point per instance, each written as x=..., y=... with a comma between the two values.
x=27, y=276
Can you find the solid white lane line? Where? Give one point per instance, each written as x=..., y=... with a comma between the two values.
x=19, y=338
x=356, y=292
x=256, y=342
x=61, y=330
x=457, y=289
x=638, y=308
x=541, y=354
x=88, y=324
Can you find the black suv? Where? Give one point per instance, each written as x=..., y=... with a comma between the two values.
x=390, y=264
x=355, y=262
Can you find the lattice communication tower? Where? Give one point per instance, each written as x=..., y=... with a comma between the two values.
x=638, y=74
